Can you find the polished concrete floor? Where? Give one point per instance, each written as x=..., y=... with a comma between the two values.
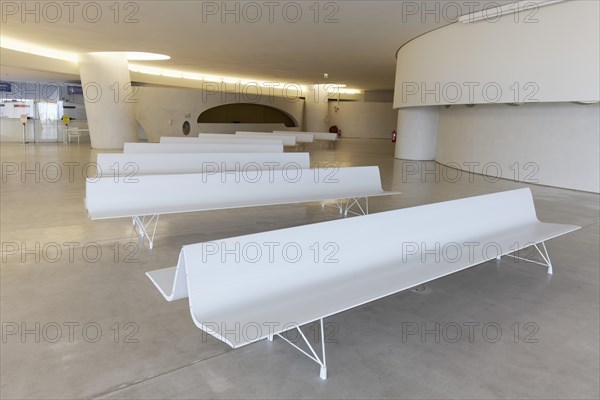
x=81, y=320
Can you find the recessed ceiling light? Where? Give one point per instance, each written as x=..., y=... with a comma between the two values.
x=25, y=47
x=142, y=56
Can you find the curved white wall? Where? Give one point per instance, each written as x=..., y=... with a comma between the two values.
x=162, y=110
x=363, y=119
x=417, y=133
x=549, y=144
x=555, y=59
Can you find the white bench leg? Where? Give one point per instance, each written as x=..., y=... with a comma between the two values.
x=143, y=226
x=546, y=257
x=544, y=254
x=337, y=205
x=322, y=361
x=323, y=373
x=356, y=202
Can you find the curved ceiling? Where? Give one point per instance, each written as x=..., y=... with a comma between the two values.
x=353, y=41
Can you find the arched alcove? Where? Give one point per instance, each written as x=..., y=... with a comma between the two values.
x=245, y=113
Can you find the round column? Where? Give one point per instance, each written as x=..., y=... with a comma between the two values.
x=317, y=109
x=109, y=103
x=417, y=133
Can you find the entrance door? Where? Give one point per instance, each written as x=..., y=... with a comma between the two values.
x=48, y=116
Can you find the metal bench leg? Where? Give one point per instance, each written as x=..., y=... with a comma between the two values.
x=356, y=202
x=546, y=257
x=321, y=361
x=337, y=205
x=544, y=254
x=143, y=226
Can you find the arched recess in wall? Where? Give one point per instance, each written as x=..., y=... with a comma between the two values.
x=246, y=113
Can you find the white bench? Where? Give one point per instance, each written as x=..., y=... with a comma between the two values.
x=201, y=148
x=301, y=137
x=226, y=139
x=144, y=198
x=327, y=136
x=132, y=164
x=288, y=140
x=249, y=288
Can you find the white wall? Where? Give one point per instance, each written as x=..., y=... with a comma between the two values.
x=555, y=59
x=162, y=110
x=360, y=119
x=551, y=144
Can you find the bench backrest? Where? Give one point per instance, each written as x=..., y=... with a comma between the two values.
x=288, y=140
x=111, y=197
x=132, y=164
x=226, y=139
x=332, y=137
x=201, y=148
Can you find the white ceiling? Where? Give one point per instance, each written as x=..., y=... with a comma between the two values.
x=358, y=50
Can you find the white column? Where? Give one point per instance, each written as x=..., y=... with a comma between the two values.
x=317, y=109
x=417, y=133
x=109, y=100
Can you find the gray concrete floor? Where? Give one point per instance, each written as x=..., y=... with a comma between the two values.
x=54, y=307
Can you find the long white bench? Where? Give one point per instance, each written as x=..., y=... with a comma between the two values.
x=253, y=287
x=301, y=137
x=226, y=139
x=201, y=148
x=144, y=198
x=134, y=164
x=327, y=136
x=288, y=140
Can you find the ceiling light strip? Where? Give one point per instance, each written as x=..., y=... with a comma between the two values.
x=333, y=88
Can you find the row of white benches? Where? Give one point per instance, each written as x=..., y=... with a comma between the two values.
x=286, y=138
x=197, y=146
x=223, y=138
x=248, y=288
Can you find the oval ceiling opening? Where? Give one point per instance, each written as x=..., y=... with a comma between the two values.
x=245, y=113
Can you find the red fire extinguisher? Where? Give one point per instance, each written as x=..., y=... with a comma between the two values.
x=394, y=136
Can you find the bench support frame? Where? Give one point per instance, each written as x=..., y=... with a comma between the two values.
x=143, y=227
x=355, y=201
x=345, y=206
x=322, y=361
x=542, y=251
